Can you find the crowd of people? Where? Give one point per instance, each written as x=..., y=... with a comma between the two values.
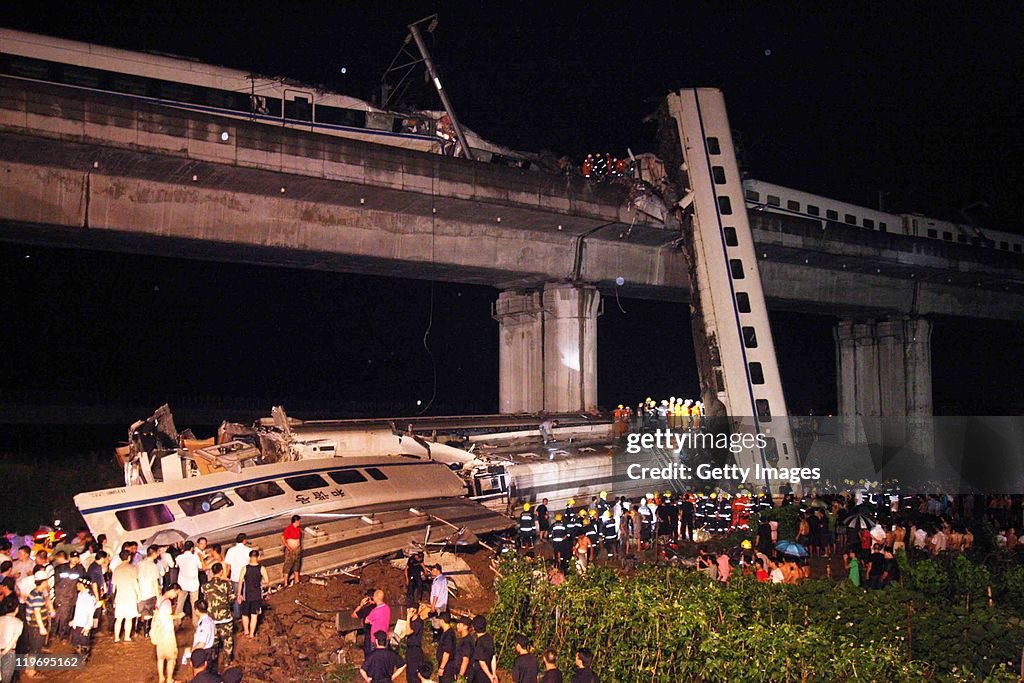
x=671, y=413
x=75, y=589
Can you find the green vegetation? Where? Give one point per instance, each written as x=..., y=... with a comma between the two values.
x=671, y=625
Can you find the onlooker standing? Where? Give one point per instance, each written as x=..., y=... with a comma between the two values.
x=125, y=585
x=237, y=557
x=525, y=668
x=464, y=649
x=361, y=611
x=149, y=586
x=414, y=658
x=291, y=539
x=161, y=634
x=445, y=649
x=583, y=672
x=81, y=621
x=250, y=593
x=551, y=672
x=188, y=564
x=382, y=665
x=11, y=628
x=205, y=636
x=438, y=590
x=37, y=616
x=484, y=659
x=413, y=578
x=379, y=618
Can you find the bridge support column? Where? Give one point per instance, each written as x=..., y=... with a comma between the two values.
x=520, y=352
x=570, y=347
x=547, y=349
x=884, y=378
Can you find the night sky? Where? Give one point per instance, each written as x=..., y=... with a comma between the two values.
x=840, y=100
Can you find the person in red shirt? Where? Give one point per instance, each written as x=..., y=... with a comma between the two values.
x=291, y=539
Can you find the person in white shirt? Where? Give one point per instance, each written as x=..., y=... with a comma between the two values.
x=205, y=634
x=777, y=576
x=189, y=565
x=236, y=558
x=11, y=628
x=81, y=623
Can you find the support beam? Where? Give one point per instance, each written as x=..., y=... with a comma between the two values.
x=520, y=352
x=884, y=383
x=547, y=353
x=570, y=347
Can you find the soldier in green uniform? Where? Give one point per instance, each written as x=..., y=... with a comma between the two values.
x=219, y=597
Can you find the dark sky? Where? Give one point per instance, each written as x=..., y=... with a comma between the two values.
x=842, y=100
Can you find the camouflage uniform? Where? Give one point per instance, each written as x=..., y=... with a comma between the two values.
x=219, y=597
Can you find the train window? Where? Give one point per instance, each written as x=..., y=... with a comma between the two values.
x=771, y=450
x=338, y=116
x=305, y=482
x=265, y=489
x=224, y=99
x=1005, y=246
x=774, y=201
x=346, y=476
x=932, y=232
x=28, y=68
x=736, y=266
x=756, y=373
x=144, y=517
x=87, y=78
x=882, y=227
x=198, y=505
x=764, y=412
x=731, y=239
x=132, y=85
x=724, y=206
x=376, y=474
x=850, y=218
x=718, y=173
x=868, y=223
x=178, y=92
x=831, y=215
x=713, y=146
x=753, y=196
x=749, y=337
x=793, y=206
x=813, y=210
x=299, y=109
x=948, y=236
x=743, y=302
x=1017, y=248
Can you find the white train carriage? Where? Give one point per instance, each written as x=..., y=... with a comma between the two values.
x=763, y=196
x=189, y=84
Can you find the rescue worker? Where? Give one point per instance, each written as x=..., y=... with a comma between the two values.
x=663, y=415
x=560, y=542
x=571, y=519
x=711, y=512
x=601, y=505
x=527, y=528
x=664, y=515
x=724, y=511
x=593, y=532
x=687, y=516
x=619, y=425
x=737, y=520
x=764, y=502
x=609, y=532
x=700, y=511
x=672, y=422
x=687, y=415
x=697, y=413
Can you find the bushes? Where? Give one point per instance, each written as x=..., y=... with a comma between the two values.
x=676, y=625
x=788, y=517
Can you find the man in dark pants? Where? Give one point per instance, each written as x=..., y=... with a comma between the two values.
x=484, y=660
x=414, y=579
x=464, y=648
x=362, y=611
x=447, y=667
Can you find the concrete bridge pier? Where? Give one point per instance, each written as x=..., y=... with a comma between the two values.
x=884, y=377
x=547, y=348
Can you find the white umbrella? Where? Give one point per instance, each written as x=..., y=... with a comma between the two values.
x=859, y=521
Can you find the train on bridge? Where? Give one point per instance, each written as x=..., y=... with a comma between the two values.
x=764, y=196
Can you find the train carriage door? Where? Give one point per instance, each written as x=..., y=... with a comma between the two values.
x=298, y=105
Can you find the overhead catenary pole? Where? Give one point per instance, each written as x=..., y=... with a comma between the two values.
x=432, y=70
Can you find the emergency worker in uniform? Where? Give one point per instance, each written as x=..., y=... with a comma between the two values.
x=527, y=528
x=560, y=542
